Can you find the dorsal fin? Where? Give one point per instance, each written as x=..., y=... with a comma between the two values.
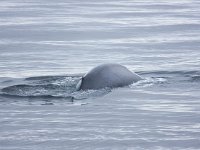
x=78, y=86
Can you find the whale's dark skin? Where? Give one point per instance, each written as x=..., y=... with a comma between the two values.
x=107, y=75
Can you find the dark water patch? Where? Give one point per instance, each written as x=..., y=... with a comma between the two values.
x=112, y=30
x=195, y=78
x=53, y=77
x=7, y=81
x=44, y=78
x=8, y=99
x=43, y=97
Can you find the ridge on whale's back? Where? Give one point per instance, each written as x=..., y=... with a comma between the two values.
x=107, y=75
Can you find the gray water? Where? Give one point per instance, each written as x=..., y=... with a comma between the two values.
x=47, y=45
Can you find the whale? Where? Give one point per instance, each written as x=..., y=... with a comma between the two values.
x=107, y=75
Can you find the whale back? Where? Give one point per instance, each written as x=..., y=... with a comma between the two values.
x=107, y=75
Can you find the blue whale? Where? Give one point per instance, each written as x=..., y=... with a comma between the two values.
x=107, y=75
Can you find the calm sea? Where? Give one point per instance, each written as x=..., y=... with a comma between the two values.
x=47, y=45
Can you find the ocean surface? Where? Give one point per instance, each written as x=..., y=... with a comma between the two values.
x=47, y=45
